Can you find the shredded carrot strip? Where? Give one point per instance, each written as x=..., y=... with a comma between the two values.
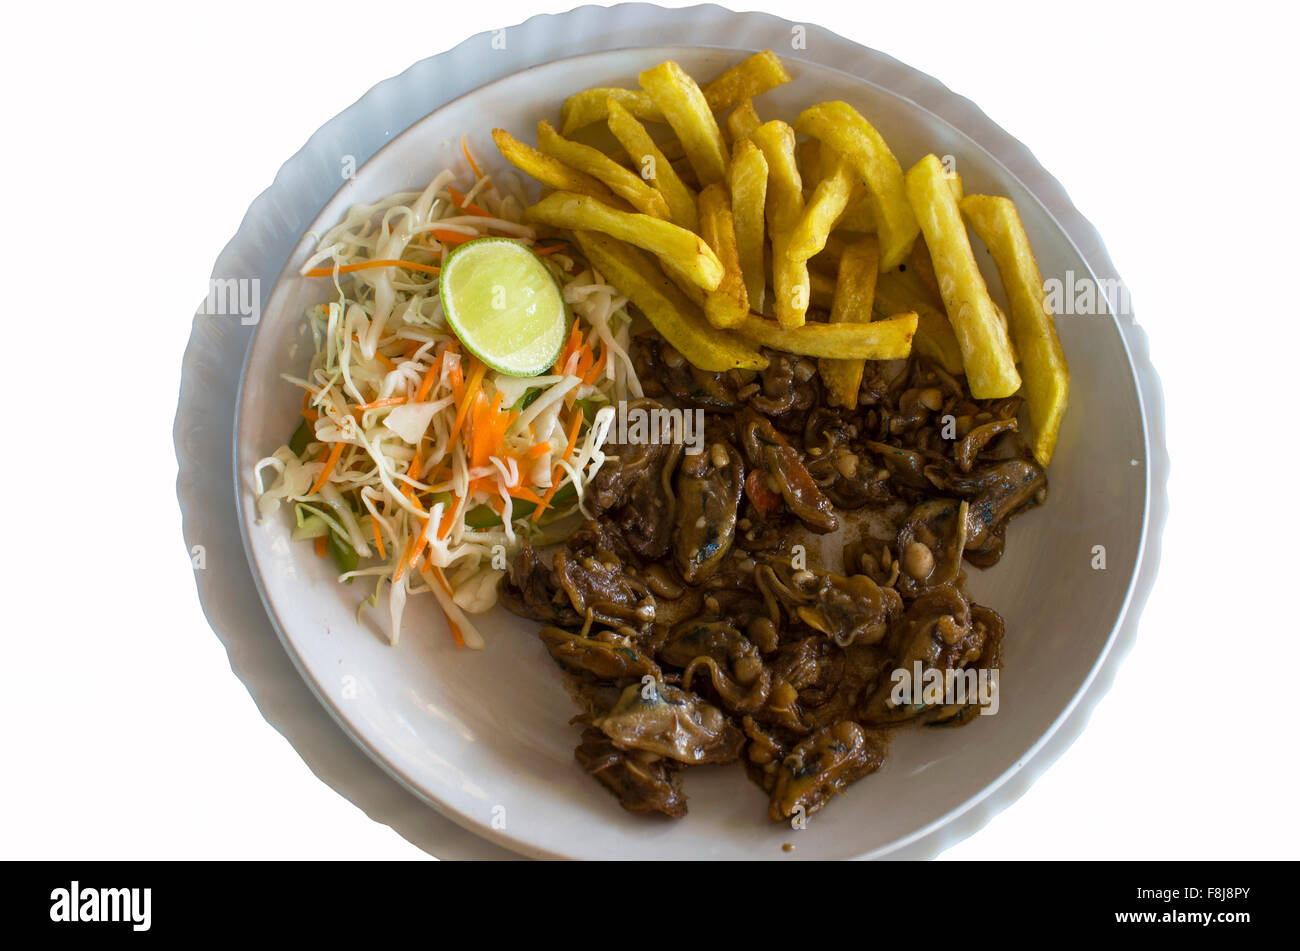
x=364, y=265
x=488, y=427
x=525, y=493
x=455, y=631
x=330, y=463
x=464, y=147
x=570, y=347
x=448, y=518
x=586, y=357
x=549, y=249
x=322, y=547
x=452, y=238
x=427, y=383
x=388, y=364
x=573, y=435
x=541, y=449
x=401, y=565
x=417, y=549
x=481, y=430
x=380, y=404
x=412, y=472
x=592, y=375
x=475, y=378
x=379, y=539
x=459, y=201
x=308, y=413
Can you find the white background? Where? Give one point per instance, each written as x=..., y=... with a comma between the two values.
x=135, y=138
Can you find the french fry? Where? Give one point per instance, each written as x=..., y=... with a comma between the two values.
x=687, y=174
x=821, y=290
x=627, y=185
x=919, y=262
x=671, y=149
x=748, y=78
x=1042, y=361
x=687, y=111
x=686, y=250
x=829, y=200
x=888, y=339
x=956, y=185
x=693, y=293
x=841, y=127
x=729, y=304
x=790, y=281
x=934, y=334
x=747, y=182
x=811, y=170
x=672, y=314
x=647, y=157
x=551, y=172
x=592, y=105
x=980, y=327
x=742, y=121
x=855, y=292
x=859, y=217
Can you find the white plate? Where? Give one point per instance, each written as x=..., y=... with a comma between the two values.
x=476, y=732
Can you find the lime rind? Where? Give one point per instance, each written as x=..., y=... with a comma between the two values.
x=505, y=305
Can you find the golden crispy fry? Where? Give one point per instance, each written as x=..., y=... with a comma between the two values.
x=828, y=201
x=687, y=174
x=935, y=338
x=648, y=158
x=855, y=292
x=686, y=251
x=821, y=290
x=672, y=314
x=811, y=168
x=671, y=149
x=693, y=293
x=747, y=182
x=889, y=339
x=980, y=327
x=627, y=185
x=688, y=112
x=742, y=121
x=591, y=105
x=1042, y=361
x=957, y=186
x=729, y=304
x=790, y=281
x=919, y=261
x=840, y=127
x=859, y=217
x=747, y=79
x=551, y=172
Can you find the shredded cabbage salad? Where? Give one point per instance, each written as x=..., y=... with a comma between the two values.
x=415, y=464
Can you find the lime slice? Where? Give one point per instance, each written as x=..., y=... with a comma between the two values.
x=504, y=305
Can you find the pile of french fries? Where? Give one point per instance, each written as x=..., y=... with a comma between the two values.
x=725, y=235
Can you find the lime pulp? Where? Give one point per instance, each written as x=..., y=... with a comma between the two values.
x=504, y=304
